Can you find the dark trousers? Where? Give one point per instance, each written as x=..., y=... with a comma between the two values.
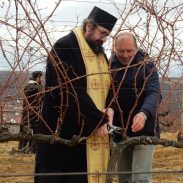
x=28, y=146
x=56, y=178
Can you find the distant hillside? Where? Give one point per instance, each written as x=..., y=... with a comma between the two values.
x=11, y=83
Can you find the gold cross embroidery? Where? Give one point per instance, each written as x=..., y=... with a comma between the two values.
x=95, y=177
x=101, y=59
x=105, y=141
x=106, y=84
x=95, y=144
x=90, y=56
x=94, y=84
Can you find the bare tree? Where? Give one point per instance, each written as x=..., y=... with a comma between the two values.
x=28, y=34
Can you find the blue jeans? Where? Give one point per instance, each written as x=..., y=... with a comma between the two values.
x=136, y=158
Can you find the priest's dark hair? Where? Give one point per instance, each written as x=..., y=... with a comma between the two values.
x=86, y=21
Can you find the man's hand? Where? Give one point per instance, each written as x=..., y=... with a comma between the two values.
x=138, y=122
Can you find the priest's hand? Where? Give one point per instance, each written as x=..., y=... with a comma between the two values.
x=110, y=114
x=102, y=131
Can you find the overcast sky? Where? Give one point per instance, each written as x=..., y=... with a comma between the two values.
x=67, y=15
x=72, y=12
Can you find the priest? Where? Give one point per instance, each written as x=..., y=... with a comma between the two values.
x=77, y=84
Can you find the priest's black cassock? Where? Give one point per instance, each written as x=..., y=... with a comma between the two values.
x=62, y=158
x=82, y=121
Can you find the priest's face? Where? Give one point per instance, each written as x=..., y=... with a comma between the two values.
x=95, y=36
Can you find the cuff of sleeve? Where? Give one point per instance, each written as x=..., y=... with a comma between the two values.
x=144, y=115
x=147, y=114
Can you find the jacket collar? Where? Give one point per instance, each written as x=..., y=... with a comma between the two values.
x=32, y=81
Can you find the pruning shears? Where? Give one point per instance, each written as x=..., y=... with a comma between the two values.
x=112, y=128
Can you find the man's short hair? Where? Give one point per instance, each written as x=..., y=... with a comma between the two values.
x=124, y=33
x=36, y=74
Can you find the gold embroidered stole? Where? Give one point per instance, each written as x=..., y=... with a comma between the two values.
x=97, y=88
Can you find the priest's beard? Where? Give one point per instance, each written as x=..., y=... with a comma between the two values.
x=96, y=46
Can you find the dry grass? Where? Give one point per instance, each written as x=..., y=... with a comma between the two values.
x=15, y=164
x=166, y=158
